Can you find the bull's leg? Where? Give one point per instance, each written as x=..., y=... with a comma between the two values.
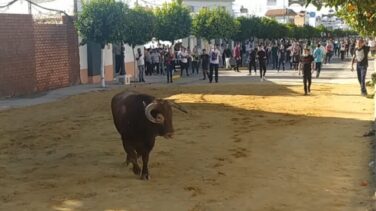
x=145, y=170
x=132, y=158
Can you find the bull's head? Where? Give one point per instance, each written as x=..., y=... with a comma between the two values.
x=159, y=112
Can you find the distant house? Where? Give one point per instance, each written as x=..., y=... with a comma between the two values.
x=301, y=19
x=196, y=5
x=282, y=15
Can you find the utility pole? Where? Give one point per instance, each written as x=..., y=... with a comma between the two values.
x=75, y=7
x=29, y=7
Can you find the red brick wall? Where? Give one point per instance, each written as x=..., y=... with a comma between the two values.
x=36, y=57
x=51, y=56
x=17, y=57
x=73, y=52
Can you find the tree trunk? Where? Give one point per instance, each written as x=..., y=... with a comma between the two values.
x=103, y=82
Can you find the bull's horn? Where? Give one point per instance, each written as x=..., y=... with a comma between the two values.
x=177, y=106
x=149, y=109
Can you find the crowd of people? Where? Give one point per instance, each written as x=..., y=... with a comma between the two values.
x=304, y=56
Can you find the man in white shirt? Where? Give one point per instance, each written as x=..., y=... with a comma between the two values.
x=214, y=56
x=183, y=55
x=141, y=65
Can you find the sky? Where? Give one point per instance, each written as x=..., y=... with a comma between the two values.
x=255, y=7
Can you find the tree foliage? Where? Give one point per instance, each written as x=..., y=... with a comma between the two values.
x=139, y=27
x=173, y=21
x=214, y=24
x=102, y=21
x=359, y=14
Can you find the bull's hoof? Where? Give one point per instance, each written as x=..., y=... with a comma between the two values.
x=136, y=170
x=145, y=177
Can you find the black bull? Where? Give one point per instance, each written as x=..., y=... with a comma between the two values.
x=139, y=118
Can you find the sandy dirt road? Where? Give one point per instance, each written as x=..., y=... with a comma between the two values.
x=241, y=147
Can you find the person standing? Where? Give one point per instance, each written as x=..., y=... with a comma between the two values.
x=372, y=46
x=352, y=48
x=147, y=61
x=281, y=57
x=252, y=60
x=214, y=63
x=141, y=65
x=275, y=56
x=237, y=56
x=155, y=59
x=296, y=57
x=227, y=54
x=169, y=60
x=318, y=54
x=204, y=63
x=119, y=59
x=261, y=54
x=195, y=60
x=361, y=60
x=329, y=51
x=343, y=50
x=183, y=55
x=306, y=63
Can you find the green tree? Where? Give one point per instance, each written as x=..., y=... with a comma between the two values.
x=103, y=22
x=173, y=21
x=271, y=29
x=248, y=27
x=310, y=32
x=139, y=28
x=214, y=24
x=359, y=14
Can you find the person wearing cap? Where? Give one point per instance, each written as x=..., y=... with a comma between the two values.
x=361, y=59
x=306, y=64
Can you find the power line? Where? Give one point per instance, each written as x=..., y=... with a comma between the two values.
x=37, y=5
x=9, y=4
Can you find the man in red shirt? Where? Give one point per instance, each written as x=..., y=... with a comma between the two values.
x=237, y=56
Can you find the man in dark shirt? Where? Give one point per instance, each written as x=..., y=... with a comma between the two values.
x=262, y=62
x=281, y=58
x=275, y=56
x=252, y=60
x=227, y=54
x=361, y=59
x=205, y=63
x=306, y=63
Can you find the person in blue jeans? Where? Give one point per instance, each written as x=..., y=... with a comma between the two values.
x=361, y=60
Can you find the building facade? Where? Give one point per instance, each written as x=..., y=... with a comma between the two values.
x=196, y=5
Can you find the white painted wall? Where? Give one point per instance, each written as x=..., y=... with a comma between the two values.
x=83, y=56
x=108, y=59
